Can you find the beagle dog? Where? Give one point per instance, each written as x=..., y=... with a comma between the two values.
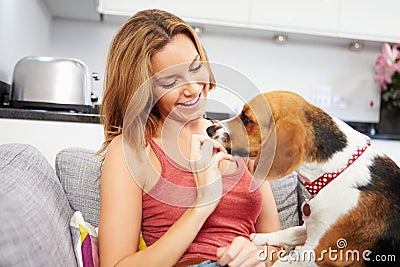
x=352, y=216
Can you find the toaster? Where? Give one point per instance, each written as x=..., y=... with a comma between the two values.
x=51, y=83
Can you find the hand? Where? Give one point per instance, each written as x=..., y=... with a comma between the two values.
x=241, y=252
x=205, y=158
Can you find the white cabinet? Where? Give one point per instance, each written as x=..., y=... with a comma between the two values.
x=307, y=16
x=208, y=11
x=124, y=7
x=51, y=136
x=205, y=11
x=377, y=20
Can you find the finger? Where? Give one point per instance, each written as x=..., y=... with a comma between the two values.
x=211, y=152
x=201, y=137
x=220, y=156
x=207, y=148
x=225, y=258
x=195, y=144
x=206, y=156
x=219, y=146
x=198, y=140
x=221, y=251
x=248, y=256
x=241, y=253
x=231, y=252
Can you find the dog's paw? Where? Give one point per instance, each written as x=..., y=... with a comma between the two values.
x=271, y=239
x=260, y=239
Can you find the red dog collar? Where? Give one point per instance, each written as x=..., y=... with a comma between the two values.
x=315, y=186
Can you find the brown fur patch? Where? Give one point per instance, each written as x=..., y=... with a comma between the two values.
x=294, y=132
x=250, y=122
x=327, y=137
x=300, y=130
x=361, y=228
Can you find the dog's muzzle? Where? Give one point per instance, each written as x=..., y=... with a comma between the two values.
x=212, y=130
x=217, y=132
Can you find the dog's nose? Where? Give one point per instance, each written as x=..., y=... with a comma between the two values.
x=211, y=130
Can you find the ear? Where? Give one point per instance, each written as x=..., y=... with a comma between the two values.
x=290, y=140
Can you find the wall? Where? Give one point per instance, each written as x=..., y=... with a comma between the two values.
x=310, y=66
x=87, y=41
x=24, y=31
x=307, y=67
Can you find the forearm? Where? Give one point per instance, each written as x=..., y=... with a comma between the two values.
x=172, y=245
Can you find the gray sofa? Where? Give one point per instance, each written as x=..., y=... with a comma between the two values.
x=37, y=202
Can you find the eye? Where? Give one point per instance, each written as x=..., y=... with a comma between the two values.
x=169, y=85
x=196, y=67
x=246, y=120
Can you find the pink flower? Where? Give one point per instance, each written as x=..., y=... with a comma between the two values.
x=387, y=63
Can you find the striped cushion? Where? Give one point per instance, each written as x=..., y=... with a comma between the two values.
x=287, y=193
x=78, y=169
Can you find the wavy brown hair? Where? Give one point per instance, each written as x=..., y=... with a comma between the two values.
x=128, y=69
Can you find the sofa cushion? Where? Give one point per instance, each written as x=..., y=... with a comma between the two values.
x=285, y=191
x=78, y=169
x=34, y=212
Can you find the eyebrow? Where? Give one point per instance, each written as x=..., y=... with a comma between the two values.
x=173, y=75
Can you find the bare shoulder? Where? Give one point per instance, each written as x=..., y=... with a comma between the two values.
x=122, y=162
x=115, y=147
x=117, y=154
x=115, y=165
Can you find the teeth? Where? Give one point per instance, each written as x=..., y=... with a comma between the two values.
x=191, y=102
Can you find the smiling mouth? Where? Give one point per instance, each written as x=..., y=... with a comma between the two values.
x=191, y=102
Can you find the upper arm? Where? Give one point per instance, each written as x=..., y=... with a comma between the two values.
x=120, y=208
x=268, y=221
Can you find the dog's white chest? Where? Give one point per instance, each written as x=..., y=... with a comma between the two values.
x=323, y=210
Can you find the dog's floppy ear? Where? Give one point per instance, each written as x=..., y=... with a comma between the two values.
x=290, y=141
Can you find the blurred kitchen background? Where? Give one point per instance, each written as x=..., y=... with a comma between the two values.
x=324, y=50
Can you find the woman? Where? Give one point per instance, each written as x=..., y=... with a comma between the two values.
x=162, y=176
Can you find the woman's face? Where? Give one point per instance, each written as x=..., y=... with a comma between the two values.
x=181, y=81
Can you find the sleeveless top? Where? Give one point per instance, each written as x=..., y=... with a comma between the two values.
x=175, y=190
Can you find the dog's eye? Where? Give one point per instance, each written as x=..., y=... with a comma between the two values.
x=246, y=120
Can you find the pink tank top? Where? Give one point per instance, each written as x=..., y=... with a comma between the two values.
x=176, y=190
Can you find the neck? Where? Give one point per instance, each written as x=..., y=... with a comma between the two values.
x=313, y=170
x=169, y=127
x=174, y=137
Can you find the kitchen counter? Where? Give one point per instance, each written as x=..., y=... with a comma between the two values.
x=371, y=130
x=44, y=115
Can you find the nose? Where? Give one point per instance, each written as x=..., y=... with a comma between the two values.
x=190, y=89
x=211, y=130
